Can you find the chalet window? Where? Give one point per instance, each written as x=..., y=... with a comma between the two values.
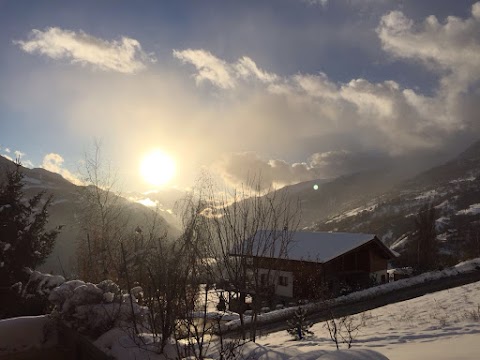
x=283, y=281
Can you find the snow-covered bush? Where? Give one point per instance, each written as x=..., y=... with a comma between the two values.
x=94, y=309
x=31, y=296
x=40, y=284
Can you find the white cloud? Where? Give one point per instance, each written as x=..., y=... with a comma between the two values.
x=383, y=115
x=209, y=67
x=220, y=73
x=6, y=156
x=53, y=162
x=383, y=118
x=124, y=55
x=19, y=155
x=321, y=3
x=246, y=68
x=238, y=168
x=299, y=114
x=451, y=48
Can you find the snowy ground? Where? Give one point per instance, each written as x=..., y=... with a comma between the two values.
x=24, y=333
x=442, y=325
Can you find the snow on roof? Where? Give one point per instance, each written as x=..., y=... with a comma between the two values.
x=317, y=246
x=324, y=246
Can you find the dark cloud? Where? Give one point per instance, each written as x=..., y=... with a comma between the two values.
x=242, y=168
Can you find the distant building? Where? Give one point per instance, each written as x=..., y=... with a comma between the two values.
x=319, y=263
x=399, y=273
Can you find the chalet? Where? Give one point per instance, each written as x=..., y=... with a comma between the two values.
x=313, y=262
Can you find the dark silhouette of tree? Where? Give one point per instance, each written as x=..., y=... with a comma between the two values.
x=24, y=242
x=423, y=248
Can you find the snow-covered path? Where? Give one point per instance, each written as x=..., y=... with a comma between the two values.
x=442, y=325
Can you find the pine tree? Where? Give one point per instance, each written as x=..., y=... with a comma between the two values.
x=425, y=244
x=24, y=242
x=298, y=326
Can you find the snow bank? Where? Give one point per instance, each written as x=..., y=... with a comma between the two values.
x=24, y=333
x=124, y=345
x=252, y=350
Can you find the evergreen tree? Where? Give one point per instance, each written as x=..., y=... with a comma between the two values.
x=24, y=242
x=298, y=326
x=423, y=249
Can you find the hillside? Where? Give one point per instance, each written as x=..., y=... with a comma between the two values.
x=66, y=210
x=453, y=188
x=440, y=325
x=322, y=199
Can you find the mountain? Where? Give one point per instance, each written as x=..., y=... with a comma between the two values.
x=453, y=188
x=324, y=198
x=66, y=210
x=165, y=200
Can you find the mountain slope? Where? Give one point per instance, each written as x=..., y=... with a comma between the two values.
x=324, y=198
x=66, y=211
x=453, y=188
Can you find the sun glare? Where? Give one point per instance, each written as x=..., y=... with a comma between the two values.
x=157, y=168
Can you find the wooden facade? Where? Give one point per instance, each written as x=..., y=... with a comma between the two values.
x=358, y=268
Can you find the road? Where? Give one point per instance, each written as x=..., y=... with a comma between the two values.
x=355, y=307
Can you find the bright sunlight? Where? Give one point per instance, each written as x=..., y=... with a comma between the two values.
x=157, y=168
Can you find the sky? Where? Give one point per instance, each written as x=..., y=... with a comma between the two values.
x=293, y=90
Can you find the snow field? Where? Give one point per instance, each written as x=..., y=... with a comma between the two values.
x=442, y=325
x=25, y=333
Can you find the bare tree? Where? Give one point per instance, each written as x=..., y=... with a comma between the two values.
x=422, y=251
x=175, y=272
x=345, y=329
x=246, y=226
x=103, y=221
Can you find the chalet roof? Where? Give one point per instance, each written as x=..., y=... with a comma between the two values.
x=321, y=247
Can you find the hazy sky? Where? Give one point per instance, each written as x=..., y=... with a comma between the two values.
x=296, y=89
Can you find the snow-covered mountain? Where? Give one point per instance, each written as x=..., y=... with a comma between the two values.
x=325, y=198
x=453, y=188
x=66, y=209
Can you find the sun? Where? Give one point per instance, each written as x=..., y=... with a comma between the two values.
x=157, y=168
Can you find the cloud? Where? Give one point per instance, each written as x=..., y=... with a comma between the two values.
x=241, y=168
x=321, y=3
x=53, y=162
x=124, y=55
x=332, y=164
x=343, y=124
x=314, y=125
x=21, y=156
x=452, y=48
x=220, y=73
x=245, y=167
